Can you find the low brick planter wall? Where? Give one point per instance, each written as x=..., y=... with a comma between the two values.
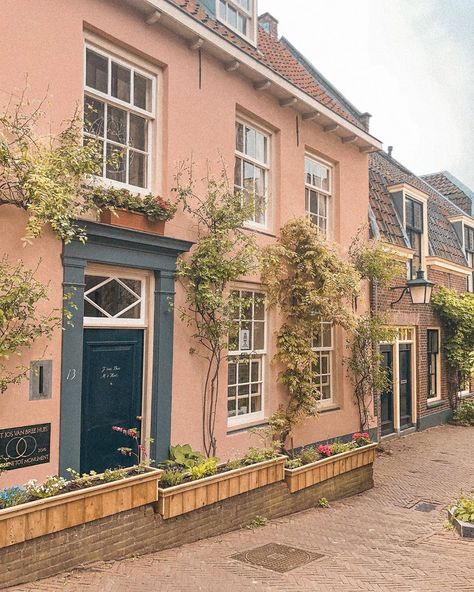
x=143, y=530
x=464, y=529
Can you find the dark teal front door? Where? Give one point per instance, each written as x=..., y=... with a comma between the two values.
x=111, y=395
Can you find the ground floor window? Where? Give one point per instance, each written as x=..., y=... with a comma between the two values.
x=433, y=363
x=247, y=350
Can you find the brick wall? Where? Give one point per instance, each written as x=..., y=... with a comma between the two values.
x=142, y=530
x=422, y=317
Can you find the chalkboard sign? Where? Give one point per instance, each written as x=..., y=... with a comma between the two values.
x=25, y=446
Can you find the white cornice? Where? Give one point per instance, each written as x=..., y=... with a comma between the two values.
x=445, y=265
x=188, y=27
x=407, y=188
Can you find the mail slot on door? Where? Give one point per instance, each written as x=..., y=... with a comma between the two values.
x=403, y=381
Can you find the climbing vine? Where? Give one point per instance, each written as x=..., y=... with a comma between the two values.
x=309, y=282
x=456, y=311
x=222, y=254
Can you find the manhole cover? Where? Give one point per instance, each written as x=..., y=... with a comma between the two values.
x=425, y=506
x=280, y=558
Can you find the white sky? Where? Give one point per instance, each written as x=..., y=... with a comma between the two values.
x=410, y=63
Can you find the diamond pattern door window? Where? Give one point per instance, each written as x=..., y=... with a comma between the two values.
x=110, y=297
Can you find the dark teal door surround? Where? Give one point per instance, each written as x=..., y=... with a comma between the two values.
x=112, y=375
x=121, y=247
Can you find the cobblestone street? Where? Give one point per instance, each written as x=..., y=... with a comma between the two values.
x=376, y=541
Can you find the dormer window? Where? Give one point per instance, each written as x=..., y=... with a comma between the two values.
x=414, y=230
x=469, y=250
x=238, y=15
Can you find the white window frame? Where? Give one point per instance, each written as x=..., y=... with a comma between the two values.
x=250, y=15
x=411, y=273
x=108, y=99
x=262, y=165
x=437, y=397
x=470, y=259
x=234, y=356
x=328, y=194
x=329, y=351
x=141, y=321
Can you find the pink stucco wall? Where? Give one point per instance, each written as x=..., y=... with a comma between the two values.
x=44, y=45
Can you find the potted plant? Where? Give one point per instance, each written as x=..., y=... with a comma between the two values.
x=191, y=481
x=314, y=465
x=119, y=207
x=461, y=516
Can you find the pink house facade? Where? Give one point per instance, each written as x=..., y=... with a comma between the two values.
x=168, y=81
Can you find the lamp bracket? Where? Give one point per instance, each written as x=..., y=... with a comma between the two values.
x=404, y=290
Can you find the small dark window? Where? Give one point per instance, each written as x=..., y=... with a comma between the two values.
x=414, y=229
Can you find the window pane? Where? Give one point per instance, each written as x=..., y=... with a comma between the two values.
x=116, y=125
x=231, y=408
x=113, y=298
x=259, y=307
x=243, y=406
x=232, y=16
x=238, y=173
x=116, y=163
x=261, y=147
x=222, y=8
x=231, y=373
x=244, y=372
x=250, y=141
x=259, y=335
x=138, y=132
x=94, y=113
x=256, y=404
x=239, y=137
x=96, y=71
x=242, y=23
x=255, y=371
x=120, y=82
x=142, y=92
x=249, y=171
x=137, y=169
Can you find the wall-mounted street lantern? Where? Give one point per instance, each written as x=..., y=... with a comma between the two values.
x=420, y=289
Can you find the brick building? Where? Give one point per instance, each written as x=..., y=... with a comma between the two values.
x=427, y=222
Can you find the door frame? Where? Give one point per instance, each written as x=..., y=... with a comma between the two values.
x=123, y=248
x=392, y=349
x=404, y=334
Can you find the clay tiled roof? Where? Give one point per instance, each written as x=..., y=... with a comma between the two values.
x=384, y=172
x=274, y=54
x=451, y=188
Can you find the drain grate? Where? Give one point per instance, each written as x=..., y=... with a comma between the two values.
x=279, y=558
x=423, y=505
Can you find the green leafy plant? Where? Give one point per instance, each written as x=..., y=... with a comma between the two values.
x=308, y=282
x=339, y=447
x=12, y=496
x=308, y=455
x=374, y=260
x=21, y=323
x=293, y=463
x=464, y=414
x=257, y=522
x=323, y=503
x=206, y=468
x=256, y=455
x=183, y=456
x=456, y=311
x=233, y=464
x=171, y=477
x=222, y=254
x=464, y=508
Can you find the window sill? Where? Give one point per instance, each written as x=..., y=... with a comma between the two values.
x=435, y=403
x=244, y=427
x=259, y=231
x=328, y=408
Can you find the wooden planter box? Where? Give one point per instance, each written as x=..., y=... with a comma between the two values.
x=44, y=516
x=464, y=529
x=132, y=220
x=324, y=469
x=187, y=497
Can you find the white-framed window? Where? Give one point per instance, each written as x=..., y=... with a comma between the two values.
x=114, y=299
x=238, y=15
x=252, y=169
x=323, y=346
x=469, y=249
x=119, y=111
x=318, y=189
x=246, y=358
x=414, y=226
x=434, y=364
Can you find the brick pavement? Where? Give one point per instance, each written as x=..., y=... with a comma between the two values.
x=371, y=542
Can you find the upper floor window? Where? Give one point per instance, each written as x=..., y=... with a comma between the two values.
x=119, y=104
x=252, y=170
x=318, y=186
x=323, y=346
x=247, y=349
x=237, y=14
x=414, y=230
x=469, y=248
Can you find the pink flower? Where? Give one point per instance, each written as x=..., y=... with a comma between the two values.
x=325, y=450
